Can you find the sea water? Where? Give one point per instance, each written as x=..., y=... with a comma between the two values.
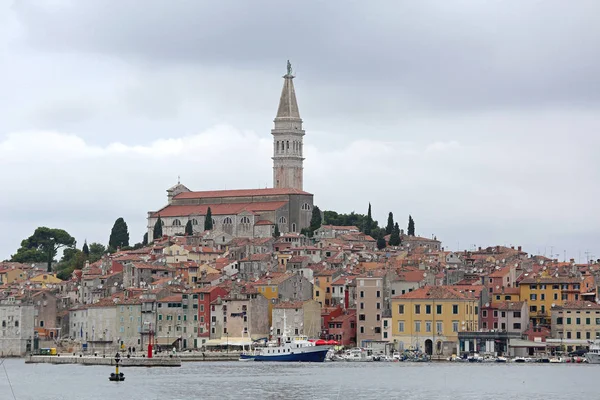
x=330, y=380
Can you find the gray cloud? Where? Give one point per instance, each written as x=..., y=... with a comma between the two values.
x=478, y=119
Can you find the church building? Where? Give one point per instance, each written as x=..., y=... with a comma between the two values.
x=251, y=212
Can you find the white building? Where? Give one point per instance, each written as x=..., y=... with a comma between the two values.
x=17, y=329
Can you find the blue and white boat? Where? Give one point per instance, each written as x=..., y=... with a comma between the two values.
x=296, y=348
x=289, y=348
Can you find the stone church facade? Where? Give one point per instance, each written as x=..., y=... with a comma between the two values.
x=250, y=212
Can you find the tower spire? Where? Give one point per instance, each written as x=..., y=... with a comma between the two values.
x=288, y=138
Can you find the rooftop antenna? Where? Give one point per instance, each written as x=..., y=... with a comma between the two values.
x=178, y=180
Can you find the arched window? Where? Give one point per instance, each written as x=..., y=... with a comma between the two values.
x=176, y=222
x=306, y=207
x=214, y=222
x=227, y=221
x=194, y=221
x=293, y=227
x=278, y=146
x=287, y=144
x=282, y=220
x=245, y=220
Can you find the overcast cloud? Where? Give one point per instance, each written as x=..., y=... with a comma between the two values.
x=481, y=119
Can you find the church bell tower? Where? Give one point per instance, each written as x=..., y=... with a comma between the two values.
x=287, y=138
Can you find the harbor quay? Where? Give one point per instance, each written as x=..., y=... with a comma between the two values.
x=95, y=360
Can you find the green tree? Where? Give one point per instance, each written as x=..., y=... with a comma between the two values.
x=43, y=245
x=395, y=236
x=145, y=239
x=85, y=249
x=315, y=220
x=381, y=240
x=411, y=226
x=157, y=234
x=97, y=250
x=189, y=230
x=276, y=232
x=368, y=224
x=208, y=222
x=390, y=224
x=119, y=235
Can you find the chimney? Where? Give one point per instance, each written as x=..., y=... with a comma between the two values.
x=519, y=248
x=512, y=247
x=497, y=249
x=479, y=248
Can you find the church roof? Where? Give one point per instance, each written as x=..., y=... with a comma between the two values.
x=218, y=209
x=239, y=193
x=288, y=106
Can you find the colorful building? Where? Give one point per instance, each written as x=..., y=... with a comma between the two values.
x=430, y=318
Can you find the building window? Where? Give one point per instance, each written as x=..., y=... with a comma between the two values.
x=578, y=335
x=294, y=227
x=361, y=317
x=517, y=325
x=578, y=321
x=378, y=294
x=306, y=207
x=417, y=326
x=438, y=309
x=176, y=222
x=588, y=335
x=533, y=296
x=484, y=313
x=427, y=308
x=417, y=309
x=401, y=309
x=362, y=329
x=454, y=326
x=400, y=326
x=227, y=221
x=245, y=220
x=439, y=327
x=427, y=326
x=454, y=309
x=282, y=220
x=362, y=306
x=194, y=221
x=568, y=321
x=362, y=294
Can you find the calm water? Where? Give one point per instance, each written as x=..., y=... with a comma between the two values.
x=249, y=380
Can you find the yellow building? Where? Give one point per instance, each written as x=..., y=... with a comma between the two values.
x=11, y=275
x=542, y=293
x=45, y=279
x=430, y=318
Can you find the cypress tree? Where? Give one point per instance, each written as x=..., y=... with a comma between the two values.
x=381, y=241
x=189, y=230
x=390, y=225
x=395, y=236
x=208, y=223
x=315, y=220
x=368, y=222
x=85, y=249
x=411, y=226
x=119, y=235
x=145, y=239
x=157, y=229
x=276, y=233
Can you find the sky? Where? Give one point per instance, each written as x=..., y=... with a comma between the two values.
x=479, y=119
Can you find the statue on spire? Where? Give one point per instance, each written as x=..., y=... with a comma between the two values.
x=289, y=68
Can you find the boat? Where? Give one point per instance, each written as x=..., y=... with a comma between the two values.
x=501, y=359
x=290, y=348
x=358, y=354
x=593, y=355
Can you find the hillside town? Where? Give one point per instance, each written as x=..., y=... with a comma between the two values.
x=222, y=269
x=194, y=292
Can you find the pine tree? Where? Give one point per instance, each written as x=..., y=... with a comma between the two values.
x=189, y=230
x=390, y=225
x=276, y=233
x=381, y=241
x=395, y=236
x=157, y=229
x=208, y=222
x=119, y=235
x=411, y=226
x=85, y=249
x=145, y=239
x=368, y=222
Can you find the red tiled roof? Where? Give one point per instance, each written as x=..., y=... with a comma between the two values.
x=217, y=209
x=238, y=193
x=438, y=293
x=263, y=222
x=274, y=278
x=171, y=299
x=579, y=305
